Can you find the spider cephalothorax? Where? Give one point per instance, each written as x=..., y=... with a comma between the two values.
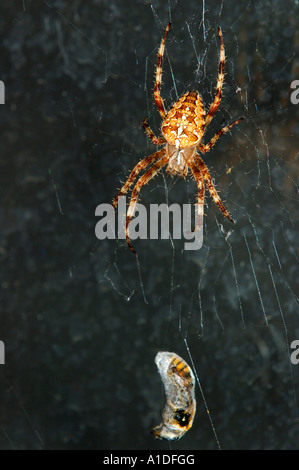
x=183, y=128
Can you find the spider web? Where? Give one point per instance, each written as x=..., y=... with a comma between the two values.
x=233, y=307
x=83, y=319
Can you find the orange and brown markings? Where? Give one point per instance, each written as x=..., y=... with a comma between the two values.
x=180, y=367
x=184, y=124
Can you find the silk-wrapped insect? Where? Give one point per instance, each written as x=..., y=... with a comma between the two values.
x=180, y=406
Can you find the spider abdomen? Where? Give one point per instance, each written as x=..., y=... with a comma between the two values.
x=184, y=124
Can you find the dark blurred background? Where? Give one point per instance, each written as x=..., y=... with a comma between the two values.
x=82, y=319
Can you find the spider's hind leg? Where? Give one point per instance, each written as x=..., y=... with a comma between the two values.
x=144, y=179
x=208, y=180
x=144, y=163
x=197, y=175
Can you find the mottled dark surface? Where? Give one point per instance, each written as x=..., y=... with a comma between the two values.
x=79, y=330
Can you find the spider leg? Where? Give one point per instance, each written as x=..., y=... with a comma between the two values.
x=144, y=179
x=205, y=148
x=208, y=180
x=217, y=99
x=139, y=167
x=158, y=81
x=150, y=133
x=197, y=175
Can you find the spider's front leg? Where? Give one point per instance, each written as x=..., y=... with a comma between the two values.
x=158, y=81
x=215, y=105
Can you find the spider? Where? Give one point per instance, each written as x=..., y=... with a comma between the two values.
x=183, y=128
